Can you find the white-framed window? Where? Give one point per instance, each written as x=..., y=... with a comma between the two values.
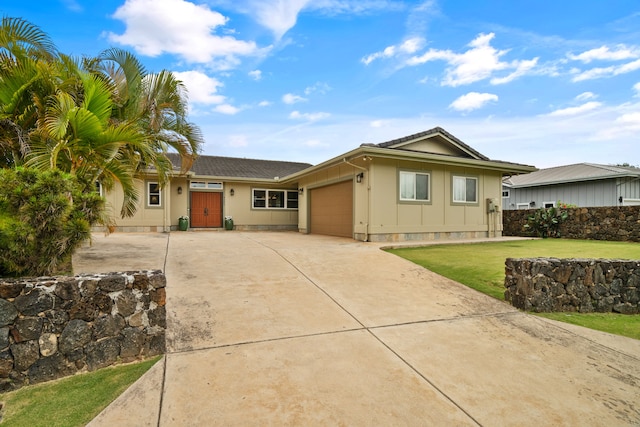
x=549, y=204
x=274, y=199
x=415, y=186
x=154, y=195
x=522, y=206
x=506, y=194
x=209, y=185
x=99, y=188
x=465, y=189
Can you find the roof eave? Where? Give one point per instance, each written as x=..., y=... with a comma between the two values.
x=574, y=180
x=391, y=153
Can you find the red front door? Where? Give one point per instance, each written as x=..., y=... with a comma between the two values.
x=206, y=210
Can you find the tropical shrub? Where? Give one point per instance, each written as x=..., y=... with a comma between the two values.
x=44, y=217
x=545, y=222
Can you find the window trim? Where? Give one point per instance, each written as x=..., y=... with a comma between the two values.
x=465, y=202
x=427, y=173
x=286, y=199
x=149, y=193
x=553, y=205
x=508, y=194
x=522, y=206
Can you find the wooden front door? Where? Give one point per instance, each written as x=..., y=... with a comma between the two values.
x=206, y=210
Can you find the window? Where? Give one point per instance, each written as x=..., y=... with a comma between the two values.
x=99, y=188
x=275, y=199
x=209, y=185
x=549, y=205
x=505, y=194
x=465, y=189
x=153, y=194
x=523, y=206
x=414, y=186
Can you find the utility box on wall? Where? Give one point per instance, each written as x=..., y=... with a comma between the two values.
x=493, y=205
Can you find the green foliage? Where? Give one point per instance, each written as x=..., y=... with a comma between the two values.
x=545, y=222
x=45, y=217
x=72, y=401
x=563, y=205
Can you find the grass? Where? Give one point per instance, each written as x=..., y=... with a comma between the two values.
x=481, y=267
x=619, y=324
x=71, y=401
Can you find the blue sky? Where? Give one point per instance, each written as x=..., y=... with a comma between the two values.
x=544, y=83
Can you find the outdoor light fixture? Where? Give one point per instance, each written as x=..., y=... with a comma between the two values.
x=179, y=190
x=359, y=177
x=232, y=192
x=532, y=204
x=300, y=190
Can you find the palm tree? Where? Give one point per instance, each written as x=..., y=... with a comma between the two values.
x=75, y=134
x=158, y=102
x=26, y=56
x=103, y=119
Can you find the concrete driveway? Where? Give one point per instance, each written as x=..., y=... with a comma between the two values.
x=291, y=329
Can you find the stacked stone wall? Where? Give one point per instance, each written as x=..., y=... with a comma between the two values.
x=573, y=285
x=52, y=327
x=620, y=223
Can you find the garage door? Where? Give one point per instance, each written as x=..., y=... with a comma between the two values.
x=332, y=210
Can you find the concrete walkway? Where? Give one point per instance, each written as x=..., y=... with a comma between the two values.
x=291, y=329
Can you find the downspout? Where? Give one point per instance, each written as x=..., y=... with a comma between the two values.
x=366, y=225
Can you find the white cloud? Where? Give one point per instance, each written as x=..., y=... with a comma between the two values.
x=279, y=16
x=202, y=88
x=586, y=95
x=227, y=109
x=73, y=5
x=407, y=47
x=290, y=98
x=473, y=101
x=319, y=87
x=603, y=53
x=522, y=68
x=573, y=111
x=264, y=103
x=479, y=62
x=631, y=120
x=636, y=87
x=601, y=72
x=312, y=117
x=378, y=123
x=255, y=75
x=179, y=27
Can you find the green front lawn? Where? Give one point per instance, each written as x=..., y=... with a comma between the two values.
x=71, y=401
x=481, y=267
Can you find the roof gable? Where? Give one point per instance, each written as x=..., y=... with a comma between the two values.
x=571, y=173
x=235, y=167
x=435, y=141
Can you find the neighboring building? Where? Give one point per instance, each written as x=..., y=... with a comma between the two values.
x=429, y=185
x=582, y=184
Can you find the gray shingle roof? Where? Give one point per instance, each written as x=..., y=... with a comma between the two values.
x=218, y=166
x=570, y=173
x=430, y=132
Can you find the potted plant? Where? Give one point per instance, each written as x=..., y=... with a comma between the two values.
x=183, y=223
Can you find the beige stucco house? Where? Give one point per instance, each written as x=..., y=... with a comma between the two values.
x=424, y=186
